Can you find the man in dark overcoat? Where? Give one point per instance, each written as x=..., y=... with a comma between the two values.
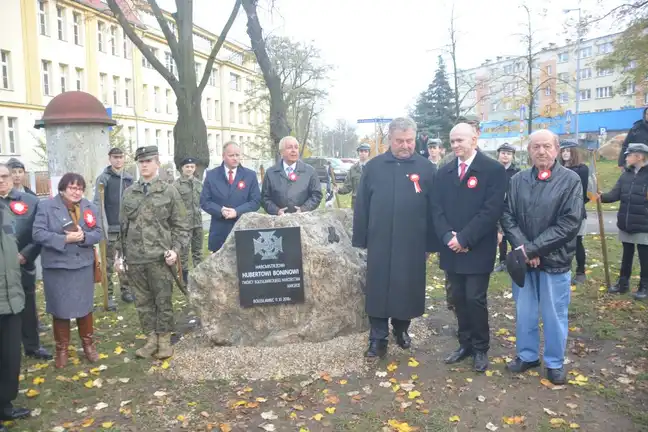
x=392, y=220
x=468, y=201
x=229, y=191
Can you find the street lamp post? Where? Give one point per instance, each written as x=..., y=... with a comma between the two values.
x=578, y=69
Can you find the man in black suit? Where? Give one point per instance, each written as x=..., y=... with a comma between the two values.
x=467, y=204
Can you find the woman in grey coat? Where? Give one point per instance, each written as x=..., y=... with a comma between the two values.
x=67, y=227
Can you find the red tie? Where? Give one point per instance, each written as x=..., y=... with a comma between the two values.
x=462, y=173
x=230, y=179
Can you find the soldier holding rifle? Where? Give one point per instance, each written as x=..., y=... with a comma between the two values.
x=154, y=229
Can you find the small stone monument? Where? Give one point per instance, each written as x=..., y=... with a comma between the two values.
x=77, y=136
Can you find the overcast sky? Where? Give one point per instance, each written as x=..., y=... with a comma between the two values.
x=385, y=51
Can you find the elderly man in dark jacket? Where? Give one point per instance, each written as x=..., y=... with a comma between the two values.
x=392, y=221
x=542, y=217
x=23, y=205
x=291, y=186
x=12, y=302
x=468, y=201
x=638, y=134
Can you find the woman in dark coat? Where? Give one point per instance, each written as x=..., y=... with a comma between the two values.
x=632, y=219
x=67, y=227
x=570, y=157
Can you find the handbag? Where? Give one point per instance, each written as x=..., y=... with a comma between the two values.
x=98, y=276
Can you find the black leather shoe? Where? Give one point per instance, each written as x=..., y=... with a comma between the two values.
x=458, y=355
x=40, y=354
x=480, y=361
x=621, y=287
x=520, y=366
x=14, y=413
x=642, y=290
x=403, y=340
x=557, y=376
x=377, y=349
x=127, y=297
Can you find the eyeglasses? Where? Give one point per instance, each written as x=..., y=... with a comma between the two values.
x=75, y=189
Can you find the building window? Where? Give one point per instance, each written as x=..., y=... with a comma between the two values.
x=103, y=90
x=213, y=78
x=209, y=108
x=158, y=137
x=5, y=69
x=147, y=137
x=63, y=72
x=79, y=79
x=128, y=45
x=170, y=142
x=630, y=88
x=156, y=99
x=145, y=97
x=43, y=17
x=585, y=52
x=563, y=57
x=586, y=73
x=100, y=36
x=235, y=82
x=127, y=86
x=564, y=77
x=241, y=114
x=115, y=90
x=169, y=62
x=549, y=70
x=585, y=94
x=168, y=101
x=76, y=18
x=547, y=91
x=604, y=72
x=12, y=132
x=232, y=113
x=217, y=113
x=605, y=48
x=631, y=65
x=60, y=23
x=604, y=92
x=47, y=70
x=250, y=84
x=198, y=69
x=563, y=98
x=113, y=40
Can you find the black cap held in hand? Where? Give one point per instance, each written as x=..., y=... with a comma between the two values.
x=516, y=266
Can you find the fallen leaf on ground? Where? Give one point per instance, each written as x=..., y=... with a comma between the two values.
x=87, y=422
x=118, y=350
x=511, y=338
x=181, y=418
x=413, y=394
x=381, y=374
x=318, y=417
x=107, y=425
x=225, y=427
x=159, y=393
x=400, y=426
x=454, y=419
x=31, y=393
x=332, y=400
x=261, y=399
x=513, y=420
x=571, y=405
x=82, y=410
x=326, y=377
x=124, y=380
x=557, y=422
x=329, y=410
x=481, y=398
x=100, y=406
x=165, y=364
x=38, y=380
x=549, y=412
x=343, y=382
x=412, y=362
x=574, y=426
x=491, y=427
x=269, y=415
x=391, y=367
x=103, y=356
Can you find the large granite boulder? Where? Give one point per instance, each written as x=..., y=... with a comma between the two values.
x=334, y=278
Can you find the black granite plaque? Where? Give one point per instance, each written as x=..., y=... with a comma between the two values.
x=269, y=266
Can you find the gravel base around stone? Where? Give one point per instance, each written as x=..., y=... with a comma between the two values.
x=196, y=360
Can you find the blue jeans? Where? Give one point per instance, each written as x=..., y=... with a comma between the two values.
x=548, y=295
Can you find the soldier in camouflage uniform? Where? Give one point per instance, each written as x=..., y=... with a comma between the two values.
x=190, y=189
x=352, y=180
x=154, y=229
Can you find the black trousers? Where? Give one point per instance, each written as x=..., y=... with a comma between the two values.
x=580, y=255
x=503, y=246
x=469, y=297
x=9, y=358
x=30, y=338
x=628, y=256
x=380, y=327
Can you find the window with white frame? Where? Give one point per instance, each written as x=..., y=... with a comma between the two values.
x=145, y=62
x=232, y=113
x=208, y=107
x=115, y=89
x=169, y=62
x=563, y=57
x=548, y=70
x=63, y=75
x=169, y=102
x=103, y=87
x=250, y=84
x=198, y=69
x=630, y=88
x=145, y=97
x=235, y=82
x=241, y=114
x=79, y=79
x=605, y=48
x=213, y=77
x=101, y=28
x=147, y=136
x=127, y=92
x=217, y=113
x=12, y=134
x=158, y=137
x=170, y=142
x=113, y=41
x=604, y=92
x=43, y=18
x=604, y=72
x=563, y=77
x=494, y=106
x=46, y=68
x=563, y=98
x=586, y=73
x=77, y=28
x=128, y=48
x=585, y=94
x=585, y=52
x=5, y=69
x=547, y=91
x=631, y=65
x=61, y=27
x=156, y=99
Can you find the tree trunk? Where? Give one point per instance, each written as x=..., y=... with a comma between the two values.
x=279, y=126
x=190, y=134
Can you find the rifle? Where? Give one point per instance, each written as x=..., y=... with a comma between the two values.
x=177, y=275
x=102, y=248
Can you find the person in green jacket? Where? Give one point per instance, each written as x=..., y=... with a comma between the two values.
x=190, y=189
x=12, y=302
x=352, y=180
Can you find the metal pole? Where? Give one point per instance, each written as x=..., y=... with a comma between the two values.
x=578, y=76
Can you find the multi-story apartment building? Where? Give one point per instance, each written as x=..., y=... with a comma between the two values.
x=48, y=47
x=496, y=90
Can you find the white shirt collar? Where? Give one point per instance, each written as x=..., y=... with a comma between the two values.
x=227, y=170
x=293, y=166
x=467, y=162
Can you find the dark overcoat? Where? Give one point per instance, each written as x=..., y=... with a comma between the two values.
x=243, y=196
x=472, y=212
x=393, y=222
x=278, y=191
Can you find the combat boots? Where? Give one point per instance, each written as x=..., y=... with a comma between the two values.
x=150, y=347
x=62, y=340
x=642, y=291
x=165, y=350
x=86, y=332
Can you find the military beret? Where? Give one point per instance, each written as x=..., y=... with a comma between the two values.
x=364, y=146
x=434, y=142
x=506, y=147
x=115, y=151
x=146, y=153
x=188, y=160
x=15, y=163
x=566, y=144
x=637, y=148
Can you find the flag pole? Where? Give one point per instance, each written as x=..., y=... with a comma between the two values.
x=599, y=211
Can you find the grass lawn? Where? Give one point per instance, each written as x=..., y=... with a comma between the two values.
x=607, y=363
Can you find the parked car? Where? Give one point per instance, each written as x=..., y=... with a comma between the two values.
x=349, y=160
x=321, y=166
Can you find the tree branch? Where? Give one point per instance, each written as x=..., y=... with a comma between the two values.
x=164, y=26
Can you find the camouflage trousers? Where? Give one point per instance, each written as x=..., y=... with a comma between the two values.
x=196, y=245
x=152, y=287
x=110, y=266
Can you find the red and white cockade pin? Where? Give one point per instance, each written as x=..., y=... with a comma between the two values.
x=89, y=218
x=292, y=176
x=415, y=179
x=472, y=182
x=241, y=185
x=544, y=175
x=18, y=207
